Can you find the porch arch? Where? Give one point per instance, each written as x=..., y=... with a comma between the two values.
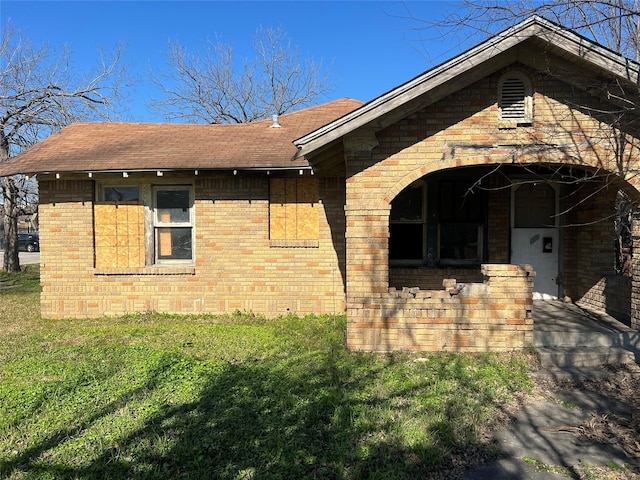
x=587, y=271
x=493, y=311
x=463, y=260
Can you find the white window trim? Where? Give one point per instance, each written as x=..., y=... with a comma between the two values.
x=158, y=224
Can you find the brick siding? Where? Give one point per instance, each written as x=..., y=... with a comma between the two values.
x=236, y=267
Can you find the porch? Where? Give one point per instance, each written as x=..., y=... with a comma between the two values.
x=571, y=337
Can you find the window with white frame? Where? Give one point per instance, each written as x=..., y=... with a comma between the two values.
x=173, y=223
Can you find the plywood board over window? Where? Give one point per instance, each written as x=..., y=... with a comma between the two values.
x=294, y=212
x=119, y=234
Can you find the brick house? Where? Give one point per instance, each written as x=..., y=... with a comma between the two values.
x=432, y=215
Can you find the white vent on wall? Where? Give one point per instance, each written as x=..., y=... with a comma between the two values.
x=512, y=100
x=515, y=99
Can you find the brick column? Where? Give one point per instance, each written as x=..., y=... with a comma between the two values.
x=367, y=223
x=635, y=268
x=511, y=300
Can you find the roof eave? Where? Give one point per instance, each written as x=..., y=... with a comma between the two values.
x=159, y=171
x=502, y=42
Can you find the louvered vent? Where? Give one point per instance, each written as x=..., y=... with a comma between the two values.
x=512, y=100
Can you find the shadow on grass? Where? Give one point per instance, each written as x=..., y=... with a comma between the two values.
x=256, y=420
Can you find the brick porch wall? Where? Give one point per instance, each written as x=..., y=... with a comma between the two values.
x=589, y=276
x=490, y=316
x=431, y=278
x=235, y=266
x=611, y=293
x=589, y=257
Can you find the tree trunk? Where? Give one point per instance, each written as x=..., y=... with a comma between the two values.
x=11, y=261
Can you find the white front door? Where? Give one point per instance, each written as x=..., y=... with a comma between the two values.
x=535, y=235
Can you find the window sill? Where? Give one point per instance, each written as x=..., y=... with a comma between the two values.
x=459, y=264
x=294, y=243
x=152, y=270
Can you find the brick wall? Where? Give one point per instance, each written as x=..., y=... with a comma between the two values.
x=589, y=276
x=236, y=266
x=611, y=293
x=476, y=317
x=66, y=246
x=431, y=278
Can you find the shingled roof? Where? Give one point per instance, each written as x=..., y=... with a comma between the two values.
x=115, y=146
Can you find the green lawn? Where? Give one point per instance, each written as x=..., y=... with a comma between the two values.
x=233, y=397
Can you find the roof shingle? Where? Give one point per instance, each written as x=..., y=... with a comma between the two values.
x=114, y=146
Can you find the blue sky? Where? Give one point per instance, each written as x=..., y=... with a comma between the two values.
x=367, y=47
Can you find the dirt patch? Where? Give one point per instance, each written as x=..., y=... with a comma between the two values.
x=619, y=383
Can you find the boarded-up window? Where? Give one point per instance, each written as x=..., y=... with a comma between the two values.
x=294, y=209
x=119, y=234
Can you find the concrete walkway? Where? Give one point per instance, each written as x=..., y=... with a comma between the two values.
x=572, y=341
x=544, y=432
x=541, y=434
x=27, y=258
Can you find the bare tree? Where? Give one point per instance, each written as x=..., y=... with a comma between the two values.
x=612, y=23
x=209, y=86
x=40, y=94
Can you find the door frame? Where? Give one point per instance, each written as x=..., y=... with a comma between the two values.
x=517, y=183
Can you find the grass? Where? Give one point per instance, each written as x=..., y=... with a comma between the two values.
x=584, y=471
x=230, y=397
